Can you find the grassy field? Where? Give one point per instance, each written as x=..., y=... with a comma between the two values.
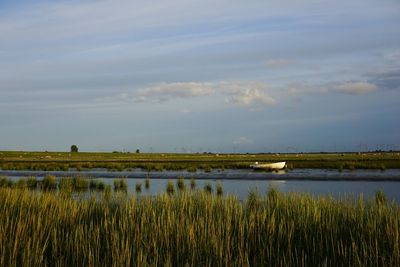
x=192, y=162
x=196, y=228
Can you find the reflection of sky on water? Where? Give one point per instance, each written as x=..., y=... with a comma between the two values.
x=241, y=174
x=242, y=187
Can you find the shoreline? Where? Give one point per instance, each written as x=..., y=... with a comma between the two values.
x=227, y=174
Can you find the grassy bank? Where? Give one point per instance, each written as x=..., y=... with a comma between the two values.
x=196, y=228
x=54, y=161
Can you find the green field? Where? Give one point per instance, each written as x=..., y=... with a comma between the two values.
x=192, y=162
x=196, y=228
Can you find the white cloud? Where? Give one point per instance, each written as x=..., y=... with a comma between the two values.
x=251, y=96
x=166, y=91
x=356, y=88
x=122, y=97
x=246, y=93
x=75, y=19
x=243, y=141
x=240, y=93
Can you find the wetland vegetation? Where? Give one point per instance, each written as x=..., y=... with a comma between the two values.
x=196, y=228
x=58, y=161
x=48, y=222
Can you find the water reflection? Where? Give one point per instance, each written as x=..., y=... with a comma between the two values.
x=242, y=187
x=314, y=181
x=296, y=174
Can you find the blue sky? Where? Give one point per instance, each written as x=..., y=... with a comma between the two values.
x=189, y=76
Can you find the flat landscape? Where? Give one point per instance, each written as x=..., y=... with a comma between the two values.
x=188, y=223
x=170, y=161
x=199, y=133
x=186, y=226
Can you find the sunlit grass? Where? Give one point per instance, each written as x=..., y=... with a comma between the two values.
x=138, y=187
x=120, y=185
x=57, y=161
x=180, y=184
x=195, y=228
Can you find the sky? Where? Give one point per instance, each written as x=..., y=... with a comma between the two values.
x=193, y=76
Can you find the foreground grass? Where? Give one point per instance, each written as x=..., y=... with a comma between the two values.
x=55, y=161
x=194, y=228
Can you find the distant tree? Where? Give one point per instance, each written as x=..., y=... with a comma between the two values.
x=137, y=151
x=74, y=148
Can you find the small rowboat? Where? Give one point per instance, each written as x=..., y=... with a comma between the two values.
x=269, y=166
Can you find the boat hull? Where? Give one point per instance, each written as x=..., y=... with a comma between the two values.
x=270, y=166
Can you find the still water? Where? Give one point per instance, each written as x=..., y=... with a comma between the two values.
x=240, y=182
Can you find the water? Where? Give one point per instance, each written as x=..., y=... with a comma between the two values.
x=296, y=174
x=314, y=181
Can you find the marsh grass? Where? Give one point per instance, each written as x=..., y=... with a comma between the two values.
x=107, y=193
x=380, y=197
x=207, y=168
x=254, y=199
x=31, y=182
x=138, y=187
x=93, y=184
x=219, y=189
x=96, y=185
x=21, y=183
x=120, y=185
x=49, y=182
x=80, y=183
x=3, y=181
x=208, y=188
x=6, y=182
x=170, y=188
x=65, y=186
x=100, y=185
x=196, y=229
x=192, y=183
x=180, y=184
x=191, y=169
x=192, y=162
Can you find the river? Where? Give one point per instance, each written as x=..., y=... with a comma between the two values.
x=313, y=181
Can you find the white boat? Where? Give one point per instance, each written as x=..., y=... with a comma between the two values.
x=269, y=166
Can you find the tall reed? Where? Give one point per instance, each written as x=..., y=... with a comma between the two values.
x=195, y=228
x=120, y=185
x=138, y=187
x=180, y=184
x=192, y=183
x=49, y=182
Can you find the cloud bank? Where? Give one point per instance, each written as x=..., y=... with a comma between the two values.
x=240, y=93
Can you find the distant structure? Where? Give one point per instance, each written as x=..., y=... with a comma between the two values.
x=74, y=148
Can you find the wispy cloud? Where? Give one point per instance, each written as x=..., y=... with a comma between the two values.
x=356, y=88
x=386, y=79
x=166, y=91
x=242, y=141
x=185, y=111
x=240, y=93
x=148, y=63
x=250, y=96
x=279, y=62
